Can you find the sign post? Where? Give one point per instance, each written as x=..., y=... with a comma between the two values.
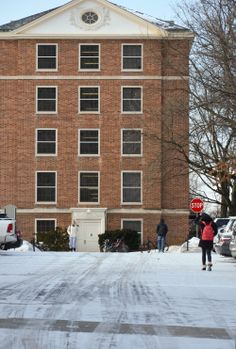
x=197, y=205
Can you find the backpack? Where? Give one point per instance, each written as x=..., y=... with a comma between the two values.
x=208, y=232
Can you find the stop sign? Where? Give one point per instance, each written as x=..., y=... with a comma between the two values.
x=197, y=205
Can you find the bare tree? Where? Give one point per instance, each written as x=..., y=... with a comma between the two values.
x=213, y=97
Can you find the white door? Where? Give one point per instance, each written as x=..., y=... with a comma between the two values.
x=88, y=236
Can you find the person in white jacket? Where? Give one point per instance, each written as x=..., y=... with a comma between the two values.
x=72, y=230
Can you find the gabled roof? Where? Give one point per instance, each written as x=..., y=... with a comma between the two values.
x=167, y=25
x=7, y=27
x=126, y=23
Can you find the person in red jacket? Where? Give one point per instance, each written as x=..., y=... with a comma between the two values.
x=208, y=230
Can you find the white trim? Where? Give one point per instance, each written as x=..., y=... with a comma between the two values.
x=89, y=203
x=147, y=211
x=99, y=57
x=134, y=219
x=94, y=77
x=36, y=57
x=141, y=187
x=43, y=219
x=46, y=112
x=139, y=211
x=122, y=56
x=88, y=112
x=131, y=155
x=36, y=186
x=88, y=155
x=36, y=142
x=141, y=101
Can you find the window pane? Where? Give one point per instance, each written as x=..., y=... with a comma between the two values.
x=89, y=148
x=131, y=195
x=88, y=195
x=46, y=179
x=131, y=92
x=131, y=179
x=46, y=148
x=132, y=135
x=132, y=50
x=46, y=194
x=89, y=50
x=132, y=63
x=44, y=226
x=47, y=50
x=46, y=105
x=89, y=93
x=132, y=225
x=89, y=105
x=89, y=179
x=131, y=148
x=46, y=135
x=46, y=92
x=89, y=136
x=91, y=63
x=132, y=105
x=46, y=63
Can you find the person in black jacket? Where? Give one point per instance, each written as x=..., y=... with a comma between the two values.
x=162, y=230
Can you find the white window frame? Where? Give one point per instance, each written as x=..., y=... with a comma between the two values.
x=131, y=155
x=99, y=57
x=141, y=189
x=46, y=112
x=89, y=112
x=36, y=187
x=36, y=142
x=134, y=219
x=48, y=69
x=43, y=219
x=122, y=57
x=132, y=112
x=89, y=203
x=88, y=155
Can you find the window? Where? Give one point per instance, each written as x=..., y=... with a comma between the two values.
x=132, y=57
x=89, y=57
x=131, y=100
x=131, y=142
x=46, y=142
x=46, y=99
x=89, y=17
x=89, y=142
x=46, y=187
x=131, y=224
x=131, y=187
x=45, y=225
x=46, y=57
x=89, y=187
x=89, y=100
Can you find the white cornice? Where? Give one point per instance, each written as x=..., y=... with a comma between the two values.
x=140, y=211
x=94, y=77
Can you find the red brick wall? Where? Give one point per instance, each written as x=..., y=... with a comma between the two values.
x=165, y=104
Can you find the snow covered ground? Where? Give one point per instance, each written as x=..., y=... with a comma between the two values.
x=55, y=300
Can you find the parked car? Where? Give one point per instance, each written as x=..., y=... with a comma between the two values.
x=9, y=236
x=232, y=244
x=221, y=222
x=223, y=238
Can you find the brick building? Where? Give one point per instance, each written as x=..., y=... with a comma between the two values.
x=90, y=95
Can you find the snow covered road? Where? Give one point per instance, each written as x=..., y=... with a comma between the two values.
x=111, y=300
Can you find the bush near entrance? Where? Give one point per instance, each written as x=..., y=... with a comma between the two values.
x=55, y=240
x=130, y=237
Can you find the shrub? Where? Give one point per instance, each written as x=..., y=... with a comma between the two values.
x=130, y=237
x=55, y=240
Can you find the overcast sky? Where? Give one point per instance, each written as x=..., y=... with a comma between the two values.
x=16, y=9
